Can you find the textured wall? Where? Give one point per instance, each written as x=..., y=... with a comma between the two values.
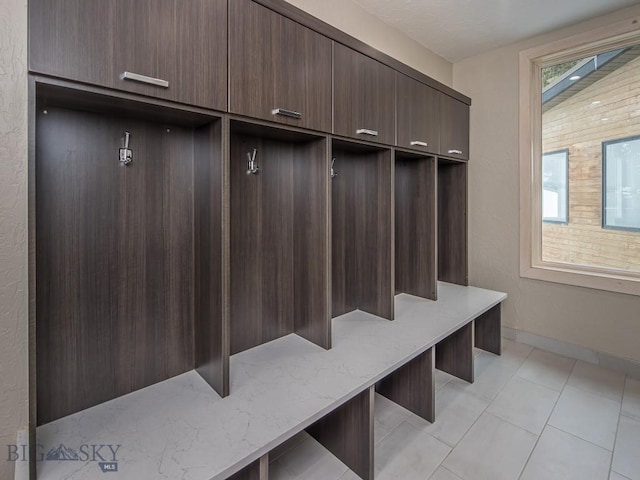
x=600, y=320
x=13, y=226
x=357, y=22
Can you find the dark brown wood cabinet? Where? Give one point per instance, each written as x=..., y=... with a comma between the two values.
x=278, y=69
x=169, y=49
x=418, y=120
x=454, y=127
x=363, y=97
x=183, y=259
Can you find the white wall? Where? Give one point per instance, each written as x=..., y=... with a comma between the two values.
x=13, y=226
x=357, y=22
x=604, y=321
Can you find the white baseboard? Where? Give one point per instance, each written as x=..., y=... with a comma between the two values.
x=605, y=360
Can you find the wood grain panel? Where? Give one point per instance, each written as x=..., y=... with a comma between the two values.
x=363, y=96
x=211, y=325
x=312, y=239
x=304, y=18
x=184, y=43
x=412, y=386
x=418, y=114
x=362, y=240
x=488, y=331
x=58, y=47
x=454, y=354
x=347, y=432
x=415, y=226
x=454, y=127
x=277, y=63
x=278, y=267
x=114, y=258
x=452, y=222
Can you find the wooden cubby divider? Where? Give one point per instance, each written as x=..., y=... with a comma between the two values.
x=415, y=225
x=347, y=432
x=279, y=246
x=454, y=354
x=412, y=386
x=362, y=229
x=452, y=221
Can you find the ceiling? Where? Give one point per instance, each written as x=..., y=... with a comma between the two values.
x=457, y=29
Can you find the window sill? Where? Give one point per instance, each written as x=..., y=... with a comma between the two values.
x=587, y=277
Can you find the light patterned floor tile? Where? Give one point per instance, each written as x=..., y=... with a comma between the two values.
x=562, y=456
x=492, y=450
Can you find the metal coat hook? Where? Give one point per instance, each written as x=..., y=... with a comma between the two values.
x=334, y=174
x=125, y=153
x=252, y=165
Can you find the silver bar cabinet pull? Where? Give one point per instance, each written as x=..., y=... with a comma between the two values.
x=286, y=113
x=457, y=152
x=136, y=77
x=366, y=131
x=417, y=143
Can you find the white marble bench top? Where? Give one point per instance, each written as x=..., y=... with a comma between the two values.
x=181, y=429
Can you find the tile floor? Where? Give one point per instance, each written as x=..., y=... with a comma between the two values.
x=529, y=415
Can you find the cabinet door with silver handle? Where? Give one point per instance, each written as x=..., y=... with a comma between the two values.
x=366, y=131
x=286, y=113
x=136, y=77
x=454, y=127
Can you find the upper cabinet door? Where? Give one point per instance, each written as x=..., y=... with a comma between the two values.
x=364, y=97
x=169, y=49
x=454, y=127
x=418, y=115
x=278, y=69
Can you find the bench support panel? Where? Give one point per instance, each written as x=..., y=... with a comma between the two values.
x=258, y=470
x=488, y=330
x=412, y=386
x=347, y=432
x=454, y=354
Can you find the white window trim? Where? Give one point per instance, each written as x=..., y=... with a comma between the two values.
x=531, y=62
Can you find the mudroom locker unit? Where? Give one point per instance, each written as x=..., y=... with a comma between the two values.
x=208, y=177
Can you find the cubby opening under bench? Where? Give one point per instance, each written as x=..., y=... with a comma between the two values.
x=181, y=428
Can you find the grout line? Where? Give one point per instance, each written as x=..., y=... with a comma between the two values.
x=489, y=402
x=546, y=424
x=615, y=441
x=580, y=438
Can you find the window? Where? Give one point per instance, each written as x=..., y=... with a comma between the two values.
x=578, y=99
x=621, y=184
x=555, y=177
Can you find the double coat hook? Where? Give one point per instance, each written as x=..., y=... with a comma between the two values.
x=252, y=165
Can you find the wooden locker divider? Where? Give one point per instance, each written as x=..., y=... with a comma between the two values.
x=452, y=222
x=488, y=330
x=347, y=432
x=412, y=386
x=415, y=229
x=362, y=229
x=454, y=354
x=279, y=236
x=211, y=335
